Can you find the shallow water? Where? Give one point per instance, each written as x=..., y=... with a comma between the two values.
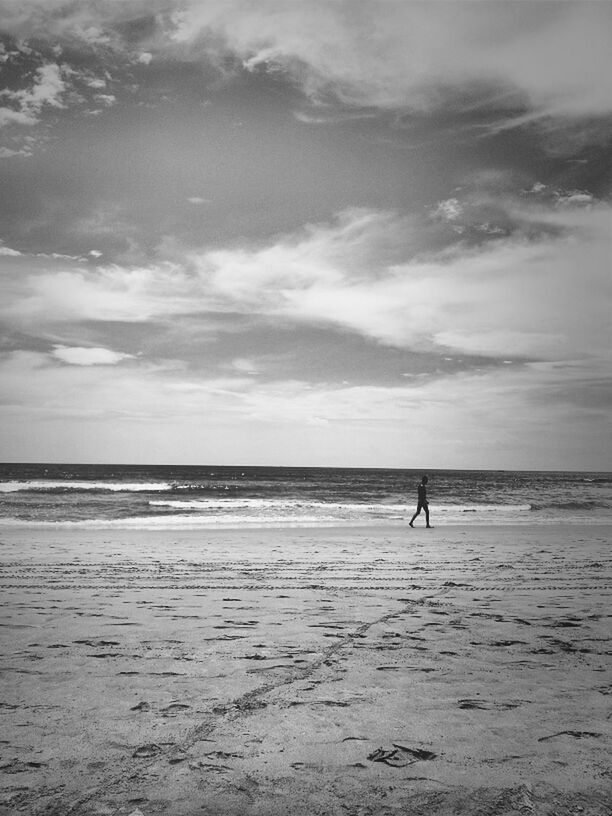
x=147, y=497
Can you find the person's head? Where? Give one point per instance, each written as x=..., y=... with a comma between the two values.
x=424, y=480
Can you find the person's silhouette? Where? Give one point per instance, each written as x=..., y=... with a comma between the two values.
x=422, y=503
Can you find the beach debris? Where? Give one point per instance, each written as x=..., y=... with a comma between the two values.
x=399, y=756
x=141, y=706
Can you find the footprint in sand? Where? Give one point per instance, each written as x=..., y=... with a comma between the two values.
x=173, y=709
x=146, y=751
x=16, y=766
x=488, y=705
x=575, y=734
x=399, y=756
x=97, y=643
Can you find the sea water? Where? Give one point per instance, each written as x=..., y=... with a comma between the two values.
x=167, y=497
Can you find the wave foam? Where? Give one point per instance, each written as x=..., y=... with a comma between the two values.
x=293, y=504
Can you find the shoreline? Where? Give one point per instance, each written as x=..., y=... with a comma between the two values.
x=260, y=672
x=180, y=524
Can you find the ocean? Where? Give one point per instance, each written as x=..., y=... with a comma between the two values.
x=185, y=497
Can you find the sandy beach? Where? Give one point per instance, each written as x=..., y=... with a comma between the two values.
x=306, y=671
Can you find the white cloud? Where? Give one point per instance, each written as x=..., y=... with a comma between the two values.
x=75, y=355
x=95, y=82
x=449, y=210
x=397, y=54
x=18, y=117
x=543, y=291
x=46, y=90
x=69, y=292
x=557, y=56
x=7, y=251
x=575, y=198
x=106, y=99
x=458, y=298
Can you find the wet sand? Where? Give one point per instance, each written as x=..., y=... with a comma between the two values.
x=359, y=671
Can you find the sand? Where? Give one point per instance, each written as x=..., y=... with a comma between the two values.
x=355, y=671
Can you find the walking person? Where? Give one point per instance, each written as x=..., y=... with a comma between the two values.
x=422, y=503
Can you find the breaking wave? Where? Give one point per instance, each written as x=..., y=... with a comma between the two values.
x=64, y=486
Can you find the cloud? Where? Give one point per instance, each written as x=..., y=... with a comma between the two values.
x=449, y=210
x=333, y=116
x=506, y=293
x=105, y=99
x=525, y=417
x=9, y=116
x=47, y=89
x=70, y=292
x=7, y=251
x=557, y=55
x=9, y=152
x=88, y=356
x=94, y=82
x=82, y=23
x=457, y=297
x=553, y=58
x=539, y=293
x=516, y=297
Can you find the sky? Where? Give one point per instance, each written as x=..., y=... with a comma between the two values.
x=360, y=233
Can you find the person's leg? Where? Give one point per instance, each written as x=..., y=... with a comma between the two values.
x=418, y=510
x=426, y=508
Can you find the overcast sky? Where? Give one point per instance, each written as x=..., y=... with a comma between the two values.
x=306, y=232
